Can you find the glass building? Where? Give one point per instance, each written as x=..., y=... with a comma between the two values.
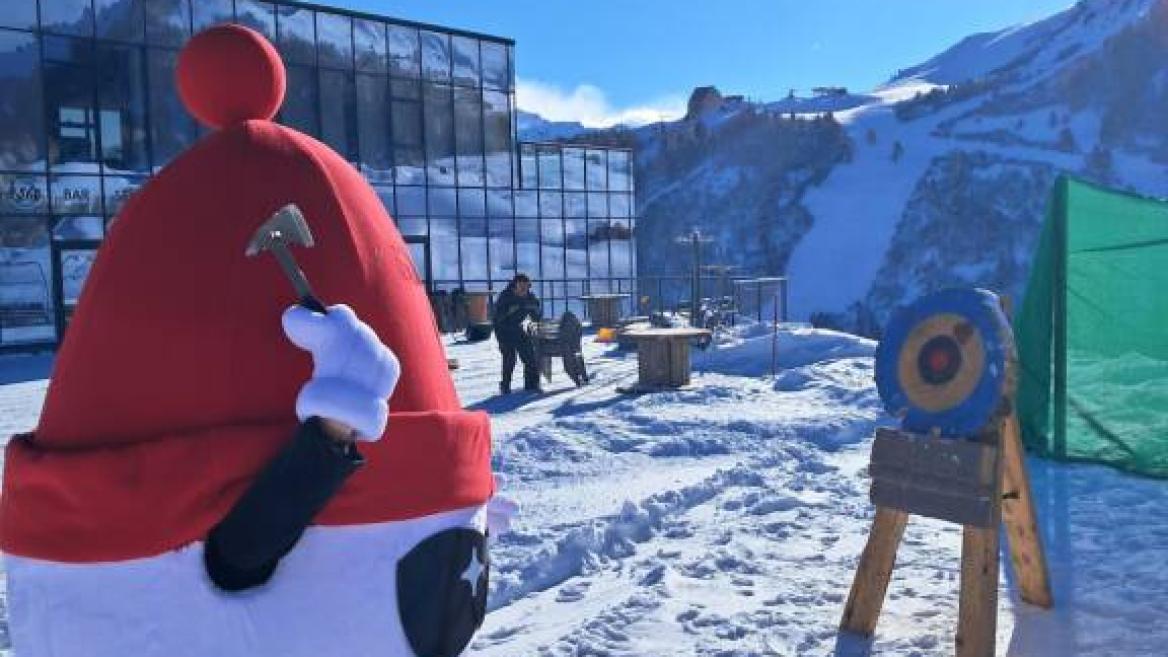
x=89, y=111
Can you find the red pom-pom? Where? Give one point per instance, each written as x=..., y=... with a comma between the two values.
x=229, y=73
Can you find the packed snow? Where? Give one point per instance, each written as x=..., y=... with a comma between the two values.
x=727, y=518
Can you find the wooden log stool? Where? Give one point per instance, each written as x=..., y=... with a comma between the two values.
x=663, y=359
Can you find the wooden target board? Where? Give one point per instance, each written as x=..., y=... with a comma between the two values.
x=945, y=369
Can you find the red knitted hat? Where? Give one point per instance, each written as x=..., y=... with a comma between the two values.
x=175, y=384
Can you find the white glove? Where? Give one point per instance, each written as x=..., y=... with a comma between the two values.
x=500, y=511
x=353, y=373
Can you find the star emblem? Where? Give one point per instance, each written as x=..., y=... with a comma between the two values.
x=473, y=573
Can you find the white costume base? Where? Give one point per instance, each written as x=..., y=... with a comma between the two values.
x=333, y=595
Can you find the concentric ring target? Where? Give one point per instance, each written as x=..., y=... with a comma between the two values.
x=942, y=363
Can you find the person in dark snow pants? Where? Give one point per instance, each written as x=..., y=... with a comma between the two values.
x=516, y=305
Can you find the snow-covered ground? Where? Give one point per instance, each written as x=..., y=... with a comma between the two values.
x=727, y=518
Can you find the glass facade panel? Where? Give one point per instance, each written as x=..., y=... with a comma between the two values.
x=473, y=242
x=21, y=14
x=466, y=60
x=73, y=17
x=373, y=137
x=497, y=132
x=468, y=135
x=405, y=54
x=435, y=55
x=22, y=130
x=122, y=115
x=205, y=13
x=334, y=40
x=168, y=22
x=299, y=110
x=370, y=44
x=550, y=173
x=597, y=170
x=527, y=246
x=89, y=111
x=297, y=35
x=259, y=16
x=27, y=314
x=339, y=112
x=122, y=20
x=573, y=168
x=75, y=194
x=494, y=65
x=69, y=103
x=439, y=133
x=22, y=193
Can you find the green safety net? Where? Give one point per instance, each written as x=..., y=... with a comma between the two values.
x=1092, y=331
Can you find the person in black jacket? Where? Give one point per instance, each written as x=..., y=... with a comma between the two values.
x=515, y=306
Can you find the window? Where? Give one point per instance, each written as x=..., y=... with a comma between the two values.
x=122, y=20
x=297, y=39
x=439, y=127
x=471, y=203
x=23, y=194
x=494, y=65
x=405, y=55
x=502, y=248
x=466, y=60
x=299, y=110
x=376, y=154
x=597, y=205
x=259, y=16
x=168, y=22
x=473, y=240
x=22, y=127
x=619, y=171
x=339, y=112
x=551, y=204
x=549, y=167
x=435, y=55
x=73, y=17
x=21, y=14
x=76, y=194
x=527, y=246
x=407, y=133
x=597, y=170
x=443, y=201
x=122, y=117
x=69, y=96
x=206, y=13
x=334, y=35
x=573, y=168
x=528, y=166
x=468, y=133
x=497, y=138
x=369, y=39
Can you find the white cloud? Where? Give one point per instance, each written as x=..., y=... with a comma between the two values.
x=587, y=105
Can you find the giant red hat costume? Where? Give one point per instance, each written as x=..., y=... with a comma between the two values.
x=175, y=385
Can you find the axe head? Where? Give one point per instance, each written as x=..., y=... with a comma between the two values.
x=287, y=226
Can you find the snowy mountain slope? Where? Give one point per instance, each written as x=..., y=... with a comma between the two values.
x=850, y=217
x=533, y=127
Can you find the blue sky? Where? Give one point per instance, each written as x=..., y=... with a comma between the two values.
x=602, y=61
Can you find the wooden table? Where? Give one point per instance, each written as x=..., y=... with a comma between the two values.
x=604, y=309
x=663, y=356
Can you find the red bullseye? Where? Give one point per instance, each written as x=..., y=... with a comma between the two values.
x=939, y=360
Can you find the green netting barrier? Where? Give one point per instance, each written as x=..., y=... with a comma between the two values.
x=1092, y=331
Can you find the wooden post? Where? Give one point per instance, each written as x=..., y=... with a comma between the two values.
x=874, y=572
x=977, y=623
x=1021, y=520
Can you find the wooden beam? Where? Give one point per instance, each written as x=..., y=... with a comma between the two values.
x=977, y=622
x=874, y=572
x=1021, y=520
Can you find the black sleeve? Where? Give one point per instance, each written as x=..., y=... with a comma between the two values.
x=243, y=550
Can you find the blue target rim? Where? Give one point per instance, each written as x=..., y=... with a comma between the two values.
x=983, y=310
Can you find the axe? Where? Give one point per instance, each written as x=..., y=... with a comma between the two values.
x=285, y=228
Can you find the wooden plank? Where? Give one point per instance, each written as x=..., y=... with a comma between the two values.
x=977, y=622
x=874, y=572
x=943, y=478
x=679, y=364
x=1021, y=520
